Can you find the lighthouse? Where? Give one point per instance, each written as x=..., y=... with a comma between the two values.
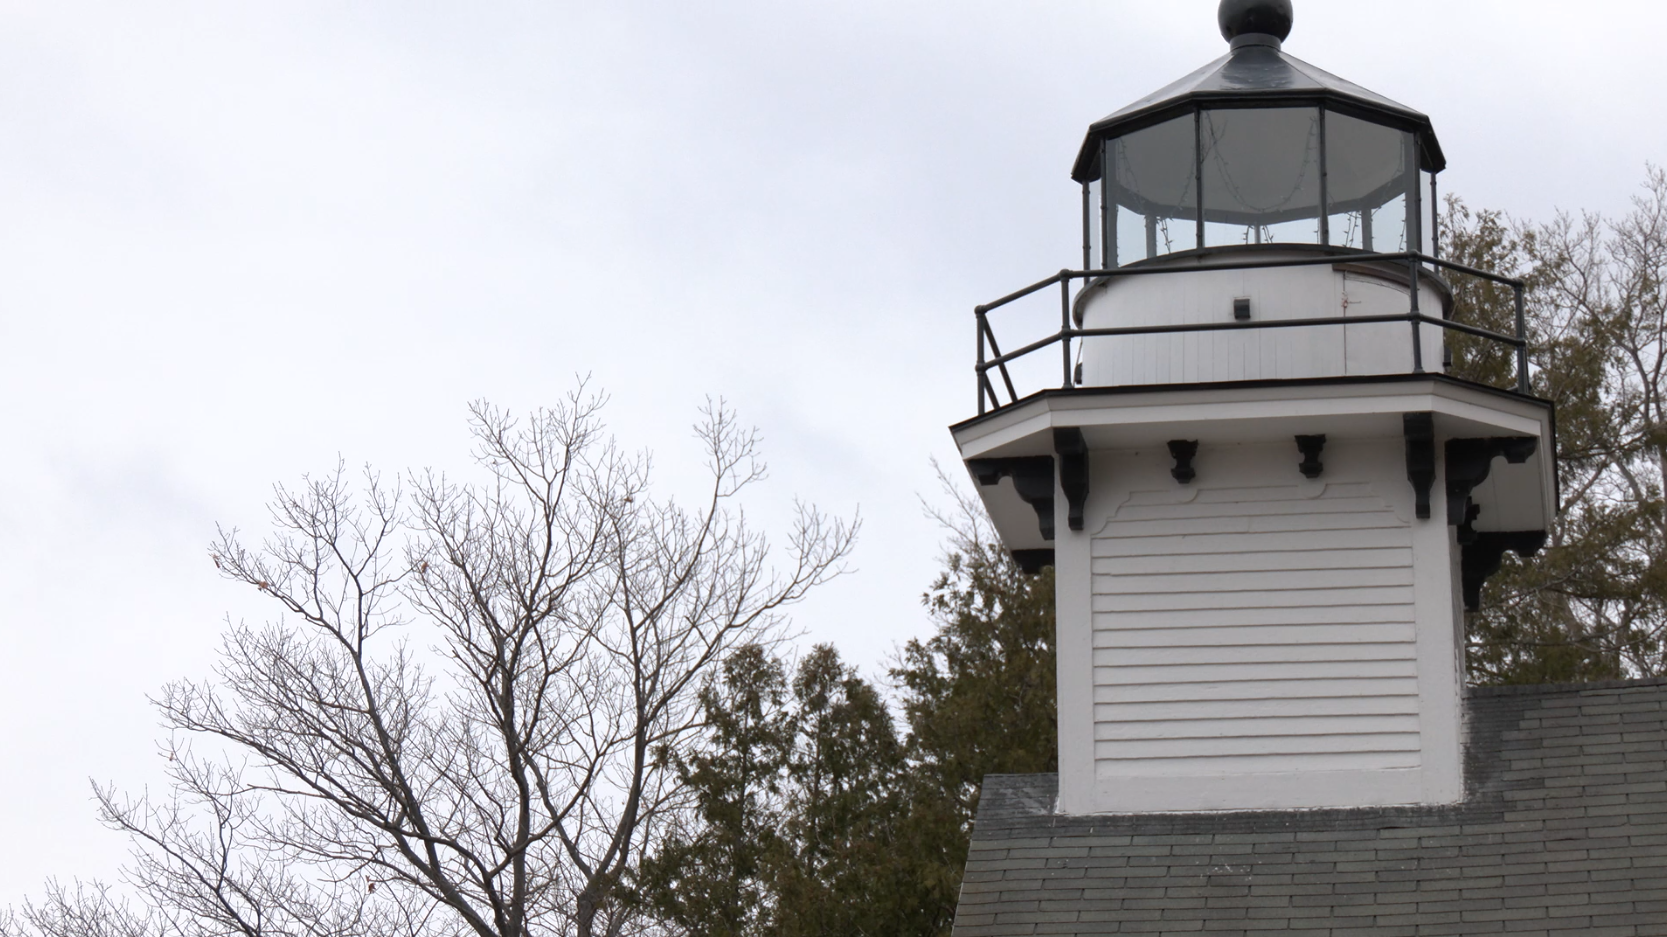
x=1266, y=500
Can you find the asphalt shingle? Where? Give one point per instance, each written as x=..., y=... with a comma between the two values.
x=1563, y=831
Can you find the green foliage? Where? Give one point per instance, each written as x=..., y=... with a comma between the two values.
x=844, y=779
x=797, y=793
x=711, y=881
x=978, y=696
x=812, y=817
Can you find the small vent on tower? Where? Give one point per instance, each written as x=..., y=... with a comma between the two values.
x=1241, y=309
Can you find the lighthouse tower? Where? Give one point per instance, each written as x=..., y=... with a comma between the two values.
x=1266, y=501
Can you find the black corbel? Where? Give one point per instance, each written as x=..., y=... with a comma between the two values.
x=1032, y=479
x=1468, y=464
x=1483, y=555
x=1073, y=472
x=1311, y=447
x=1184, y=450
x=1032, y=561
x=1467, y=530
x=1419, y=429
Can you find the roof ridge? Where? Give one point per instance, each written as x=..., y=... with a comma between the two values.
x=1322, y=77
x=1543, y=689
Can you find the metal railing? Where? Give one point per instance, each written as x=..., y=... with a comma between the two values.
x=989, y=400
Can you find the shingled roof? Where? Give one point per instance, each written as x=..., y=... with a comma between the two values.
x=1563, y=831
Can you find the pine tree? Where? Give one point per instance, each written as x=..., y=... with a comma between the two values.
x=798, y=793
x=843, y=803
x=712, y=879
x=978, y=698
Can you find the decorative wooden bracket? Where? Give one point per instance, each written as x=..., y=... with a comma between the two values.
x=1184, y=451
x=1073, y=472
x=1419, y=429
x=1467, y=532
x=1468, y=464
x=1311, y=447
x=1032, y=561
x=1483, y=555
x=1032, y=479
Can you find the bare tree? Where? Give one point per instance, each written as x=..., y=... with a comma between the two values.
x=503, y=778
x=1595, y=604
x=86, y=910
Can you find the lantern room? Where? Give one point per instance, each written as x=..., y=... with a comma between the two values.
x=1252, y=165
x=1259, y=148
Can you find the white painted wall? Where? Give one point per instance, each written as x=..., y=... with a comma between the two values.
x=1203, y=296
x=1257, y=639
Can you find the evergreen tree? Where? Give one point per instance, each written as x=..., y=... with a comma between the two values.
x=712, y=877
x=843, y=779
x=798, y=795
x=978, y=699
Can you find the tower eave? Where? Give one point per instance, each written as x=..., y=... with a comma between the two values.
x=1248, y=412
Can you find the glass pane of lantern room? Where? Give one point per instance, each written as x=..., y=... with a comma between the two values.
x=1367, y=176
x=1154, y=181
x=1261, y=176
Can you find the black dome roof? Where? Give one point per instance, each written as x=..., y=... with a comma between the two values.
x=1257, y=73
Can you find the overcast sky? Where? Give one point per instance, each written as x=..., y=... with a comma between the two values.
x=239, y=239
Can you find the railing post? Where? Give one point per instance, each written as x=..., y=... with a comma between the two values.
x=1435, y=218
x=1087, y=229
x=1417, y=343
x=978, y=320
x=1065, y=327
x=989, y=354
x=1198, y=172
x=1325, y=186
x=1108, y=209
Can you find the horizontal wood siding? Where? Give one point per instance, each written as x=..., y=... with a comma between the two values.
x=1265, y=725
x=1208, y=710
x=1254, y=629
x=1274, y=761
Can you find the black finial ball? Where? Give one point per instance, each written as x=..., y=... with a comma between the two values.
x=1238, y=17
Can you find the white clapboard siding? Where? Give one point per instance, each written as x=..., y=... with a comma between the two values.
x=1238, y=671
x=1333, y=595
x=1295, y=580
x=1220, y=536
x=1254, y=629
x=1208, y=710
x=1278, y=687
x=1249, y=635
x=1261, y=726
x=1246, y=653
x=1353, y=742
x=1273, y=762
x=1298, y=625
x=1199, y=562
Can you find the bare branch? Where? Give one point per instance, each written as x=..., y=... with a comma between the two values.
x=454, y=725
